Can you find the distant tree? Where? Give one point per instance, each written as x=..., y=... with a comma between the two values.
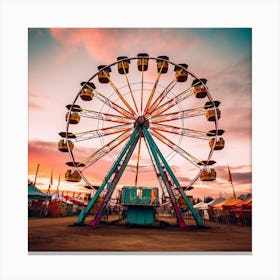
x=208, y=199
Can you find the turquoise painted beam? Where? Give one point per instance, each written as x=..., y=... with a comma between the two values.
x=115, y=181
x=154, y=151
x=85, y=212
x=174, y=179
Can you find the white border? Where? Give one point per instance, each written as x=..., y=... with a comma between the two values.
x=17, y=16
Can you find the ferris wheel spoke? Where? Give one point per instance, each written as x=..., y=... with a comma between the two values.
x=194, y=112
x=86, y=135
x=192, y=159
x=153, y=90
x=174, y=101
x=162, y=95
x=113, y=105
x=130, y=90
x=104, y=116
x=180, y=131
x=106, y=149
x=170, y=103
x=120, y=95
x=142, y=86
x=137, y=163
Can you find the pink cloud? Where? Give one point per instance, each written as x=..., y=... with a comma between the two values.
x=104, y=44
x=98, y=43
x=37, y=101
x=33, y=98
x=33, y=106
x=35, y=95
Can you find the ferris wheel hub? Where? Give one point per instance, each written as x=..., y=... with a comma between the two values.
x=142, y=121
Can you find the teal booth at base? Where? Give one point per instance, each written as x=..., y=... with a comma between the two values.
x=140, y=215
x=140, y=203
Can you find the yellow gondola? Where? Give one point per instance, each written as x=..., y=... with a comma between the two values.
x=142, y=62
x=220, y=143
x=72, y=176
x=210, y=114
x=162, y=66
x=123, y=65
x=208, y=175
x=104, y=76
x=74, y=117
x=199, y=89
x=86, y=93
x=62, y=145
x=180, y=73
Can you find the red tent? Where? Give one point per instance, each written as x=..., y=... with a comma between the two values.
x=241, y=209
x=245, y=204
x=74, y=200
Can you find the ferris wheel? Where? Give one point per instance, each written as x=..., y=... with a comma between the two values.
x=146, y=114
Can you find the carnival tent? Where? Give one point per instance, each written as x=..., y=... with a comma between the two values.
x=226, y=203
x=202, y=205
x=35, y=193
x=216, y=202
x=57, y=197
x=59, y=206
x=73, y=200
x=241, y=205
x=247, y=205
x=37, y=201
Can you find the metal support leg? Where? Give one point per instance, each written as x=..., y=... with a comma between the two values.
x=152, y=146
x=197, y=217
x=113, y=170
x=114, y=183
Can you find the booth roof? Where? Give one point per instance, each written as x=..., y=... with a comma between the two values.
x=202, y=205
x=57, y=197
x=245, y=204
x=35, y=193
x=228, y=202
x=216, y=201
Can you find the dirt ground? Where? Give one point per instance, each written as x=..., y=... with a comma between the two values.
x=55, y=234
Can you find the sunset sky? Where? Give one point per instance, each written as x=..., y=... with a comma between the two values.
x=59, y=59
